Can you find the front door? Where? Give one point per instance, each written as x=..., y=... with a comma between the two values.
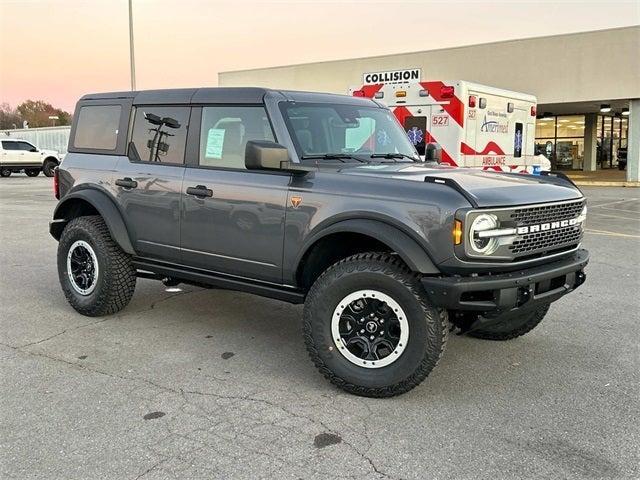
x=233, y=218
x=149, y=181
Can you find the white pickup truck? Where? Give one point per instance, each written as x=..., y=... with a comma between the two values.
x=16, y=155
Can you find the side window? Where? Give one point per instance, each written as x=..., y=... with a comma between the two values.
x=225, y=132
x=27, y=147
x=159, y=134
x=10, y=145
x=97, y=127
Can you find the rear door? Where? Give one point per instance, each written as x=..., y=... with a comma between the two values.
x=149, y=180
x=10, y=152
x=232, y=218
x=416, y=128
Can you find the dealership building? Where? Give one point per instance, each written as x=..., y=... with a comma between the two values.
x=587, y=85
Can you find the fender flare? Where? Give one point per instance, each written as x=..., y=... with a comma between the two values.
x=406, y=247
x=105, y=207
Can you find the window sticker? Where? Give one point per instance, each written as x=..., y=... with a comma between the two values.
x=215, y=140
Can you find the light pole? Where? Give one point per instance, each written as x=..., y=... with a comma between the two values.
x=131, y=54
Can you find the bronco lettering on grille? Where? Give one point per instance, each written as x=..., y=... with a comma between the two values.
x=542, y=227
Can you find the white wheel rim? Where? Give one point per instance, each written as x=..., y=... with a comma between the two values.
x=373, y=335
x=75, y=248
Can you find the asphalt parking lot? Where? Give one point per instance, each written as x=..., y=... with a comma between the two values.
x=217, y=384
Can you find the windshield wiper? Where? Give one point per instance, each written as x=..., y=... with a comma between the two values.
x=393, y=156
x=332, y=156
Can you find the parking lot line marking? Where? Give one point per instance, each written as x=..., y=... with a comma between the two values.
x=620, y=210
x=611, y=234
x=612, y=216
x=613, y=203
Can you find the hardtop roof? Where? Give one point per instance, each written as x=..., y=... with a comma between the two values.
x=230, y=95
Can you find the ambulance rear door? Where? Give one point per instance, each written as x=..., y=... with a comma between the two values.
x=412, y=111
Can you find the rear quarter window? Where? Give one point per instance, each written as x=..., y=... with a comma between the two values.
x=97, y=127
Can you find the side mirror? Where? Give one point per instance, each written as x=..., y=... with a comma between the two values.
x=34, y=150
x=432, y=153
x=265, y=155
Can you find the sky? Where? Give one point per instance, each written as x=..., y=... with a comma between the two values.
x=58, y=50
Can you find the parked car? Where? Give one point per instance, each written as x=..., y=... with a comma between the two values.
x=17, y=155
x=282, y=194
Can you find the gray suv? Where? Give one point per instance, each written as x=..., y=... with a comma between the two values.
x=317, y=199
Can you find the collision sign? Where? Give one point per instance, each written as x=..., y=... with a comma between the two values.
x=393, y=76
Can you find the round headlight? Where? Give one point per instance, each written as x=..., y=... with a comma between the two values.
x=484, y=245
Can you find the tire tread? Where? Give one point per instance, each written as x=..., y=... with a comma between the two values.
x=395, y=268
x=119, y=278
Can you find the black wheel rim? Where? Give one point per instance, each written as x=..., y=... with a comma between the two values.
x=368, y=329
x=82, y=267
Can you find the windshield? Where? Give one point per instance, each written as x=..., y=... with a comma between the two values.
x=348, y=131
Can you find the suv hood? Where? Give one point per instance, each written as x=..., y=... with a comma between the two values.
x=486, y=189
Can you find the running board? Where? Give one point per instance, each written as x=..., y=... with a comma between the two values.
x=160, y=270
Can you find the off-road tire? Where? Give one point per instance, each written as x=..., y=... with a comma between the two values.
x=32, y=172
x=116, y=279
x=512, y=327
x=5, y=172
x=48, y=167
x=389, y=275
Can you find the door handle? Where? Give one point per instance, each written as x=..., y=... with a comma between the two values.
x=200, y=191
x=126, y=183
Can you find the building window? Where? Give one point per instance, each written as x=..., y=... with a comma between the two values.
x=546, y=127
x=561, y=140
x=570, y=126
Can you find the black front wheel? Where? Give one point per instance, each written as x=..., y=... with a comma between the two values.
x=5, y=172
x=369, y=327
x=49, y=166
x=96, y=276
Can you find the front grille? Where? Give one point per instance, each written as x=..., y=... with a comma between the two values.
x=547, y=213
x=546, y=241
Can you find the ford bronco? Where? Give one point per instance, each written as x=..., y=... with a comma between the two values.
x=310, y=198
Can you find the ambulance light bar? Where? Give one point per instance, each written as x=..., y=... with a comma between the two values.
x=423, y=93
x=446, y=91
x=379, y=95
x=358, y=93
x=401, y=93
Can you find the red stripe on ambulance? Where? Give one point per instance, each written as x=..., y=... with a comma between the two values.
x=453, y=105
x=491, y=147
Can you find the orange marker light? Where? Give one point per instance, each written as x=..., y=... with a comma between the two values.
x=401, y=93
x=457, y=232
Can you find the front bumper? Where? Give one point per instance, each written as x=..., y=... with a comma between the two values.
x=500, y=293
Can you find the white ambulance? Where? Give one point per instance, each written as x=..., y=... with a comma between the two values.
x=462, y=123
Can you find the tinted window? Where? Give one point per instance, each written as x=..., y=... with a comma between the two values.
x=10, y=145
x=225, y=132
x=97, y=127
x=159, y=134
x=27, y=147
